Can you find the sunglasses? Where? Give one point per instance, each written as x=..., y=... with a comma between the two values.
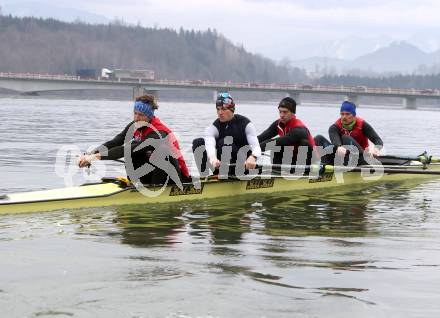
x=224, y=99
x=224, y=95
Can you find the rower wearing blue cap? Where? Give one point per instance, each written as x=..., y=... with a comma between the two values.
x=352, y=130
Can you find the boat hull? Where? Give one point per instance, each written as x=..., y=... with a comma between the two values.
x=109, y=194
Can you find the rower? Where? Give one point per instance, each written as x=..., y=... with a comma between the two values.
x=290, y=131
x=350, y=130
x=147, y=130
x=228, y=130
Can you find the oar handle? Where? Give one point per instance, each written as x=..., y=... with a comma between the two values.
x=117, y=160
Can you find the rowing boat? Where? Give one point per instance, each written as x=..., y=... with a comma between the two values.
x=117, y=191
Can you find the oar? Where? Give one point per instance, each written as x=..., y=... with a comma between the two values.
x=331, y=169
x=423, y=158
x=289, y=167
x=116, y=160
x=393, y=170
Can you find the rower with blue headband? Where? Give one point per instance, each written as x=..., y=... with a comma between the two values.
x=145, y=126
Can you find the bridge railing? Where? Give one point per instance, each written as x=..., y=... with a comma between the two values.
x=228, y=85
x=38, y=76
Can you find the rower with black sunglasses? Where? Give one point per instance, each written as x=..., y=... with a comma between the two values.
x=229, y=132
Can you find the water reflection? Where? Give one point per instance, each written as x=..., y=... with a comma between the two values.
x=219, y=226
x=148, y=225
x=344, y=212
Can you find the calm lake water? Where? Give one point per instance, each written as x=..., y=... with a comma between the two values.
x=358, y=252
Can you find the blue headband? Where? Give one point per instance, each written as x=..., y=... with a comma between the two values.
x=348, y=107
x=144, y=108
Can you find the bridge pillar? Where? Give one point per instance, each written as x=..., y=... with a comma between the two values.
x=214, y=96
x=353, y=98
x=410, y=102
x=139, y=91
x=296, y=96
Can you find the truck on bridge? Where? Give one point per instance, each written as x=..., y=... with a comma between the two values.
x=116, y=74
x=128, y=75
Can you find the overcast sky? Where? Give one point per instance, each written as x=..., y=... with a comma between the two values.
x=276, y=28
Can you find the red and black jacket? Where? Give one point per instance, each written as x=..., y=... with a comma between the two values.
x=114, y=149
x=293, y=133
x=283, y=130
x=155, y=125
x=357, y=133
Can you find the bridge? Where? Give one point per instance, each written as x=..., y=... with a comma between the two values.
x=34, y=83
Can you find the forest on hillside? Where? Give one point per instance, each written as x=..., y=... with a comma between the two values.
x=50, y=46
x=37, y=45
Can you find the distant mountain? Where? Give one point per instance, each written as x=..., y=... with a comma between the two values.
x=352, y=47
x=347, y=48
x=435, y=57
x=46, y=10
x=397, y=57
x=319, y=64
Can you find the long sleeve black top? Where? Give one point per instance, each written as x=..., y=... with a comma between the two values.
x=115, y=146
x=294, y=136
x=367, y=130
